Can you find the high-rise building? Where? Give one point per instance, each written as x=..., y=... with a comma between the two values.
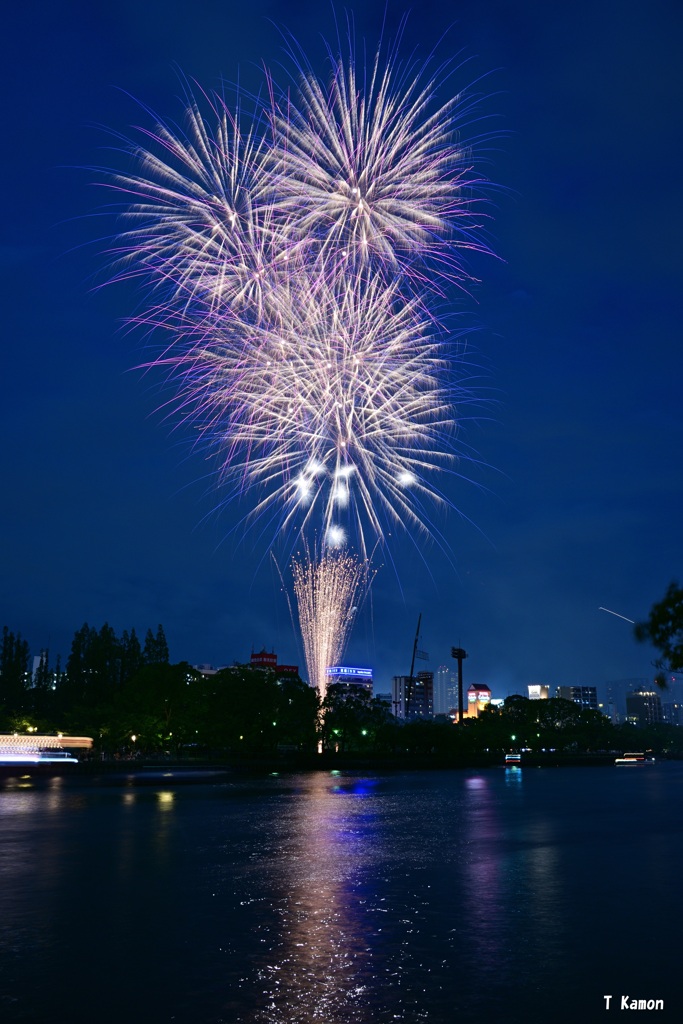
x=413, y=698
x=672, y=713
x=445, y=690
x=618, y=688
x=643, y=707
x=399, y=685
x=586, y=696
x=423, y=696
x=263, y=659
x=538, y=691
x=610, y=711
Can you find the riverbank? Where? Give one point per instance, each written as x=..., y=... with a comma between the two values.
x=213, y=769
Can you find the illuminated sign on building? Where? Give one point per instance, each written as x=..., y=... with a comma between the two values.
x=347, y=677
x=478, y=696
x=344, y=671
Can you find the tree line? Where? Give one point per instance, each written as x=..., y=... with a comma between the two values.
x=360, y=725
x=127, y=695
x=100, y=664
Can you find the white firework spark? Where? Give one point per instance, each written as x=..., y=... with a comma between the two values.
x=201, y=227
x=373, y=169
x=293, y=267
x=329, y=589
x=337, y=403
x=283, y=269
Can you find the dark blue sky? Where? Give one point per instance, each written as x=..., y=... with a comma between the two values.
x=105, y=513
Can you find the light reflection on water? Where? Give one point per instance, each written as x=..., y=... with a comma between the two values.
x=444, y=897
x=321, y=959
x=484, y=891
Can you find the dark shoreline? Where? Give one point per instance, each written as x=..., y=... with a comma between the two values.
x=217, y=769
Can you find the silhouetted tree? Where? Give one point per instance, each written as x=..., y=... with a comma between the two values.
x=351, y=718
x=14, y=678
x=249, y=710
x=664, y=630
x=42, y=693
x=73, y=687
x=161, y=705
x=156, y=648
x=93, y=668
x=131, y=655
x=100, y=664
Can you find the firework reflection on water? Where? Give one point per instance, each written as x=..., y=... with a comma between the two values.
x=317, y=968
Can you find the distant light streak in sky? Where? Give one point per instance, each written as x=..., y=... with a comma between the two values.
x=610, y=612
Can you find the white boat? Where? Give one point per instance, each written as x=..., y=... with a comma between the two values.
x=634, y=759
x=37, y=757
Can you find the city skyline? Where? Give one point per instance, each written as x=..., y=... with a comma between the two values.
x=110, y=516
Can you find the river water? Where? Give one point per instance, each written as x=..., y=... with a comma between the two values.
x=446, y=897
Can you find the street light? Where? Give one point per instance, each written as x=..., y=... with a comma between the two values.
x=459, y=654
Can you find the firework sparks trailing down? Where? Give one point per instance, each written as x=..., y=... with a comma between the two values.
x=329, y=590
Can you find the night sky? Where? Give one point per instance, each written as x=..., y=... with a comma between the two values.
x=107, y=514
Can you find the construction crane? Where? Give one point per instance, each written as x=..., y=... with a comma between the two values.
x=423, y=656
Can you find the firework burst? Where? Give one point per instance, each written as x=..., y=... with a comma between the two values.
x=373, y=169
x=200, y=226
x=293, y=268
x=337, y=407
x=297, y=342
